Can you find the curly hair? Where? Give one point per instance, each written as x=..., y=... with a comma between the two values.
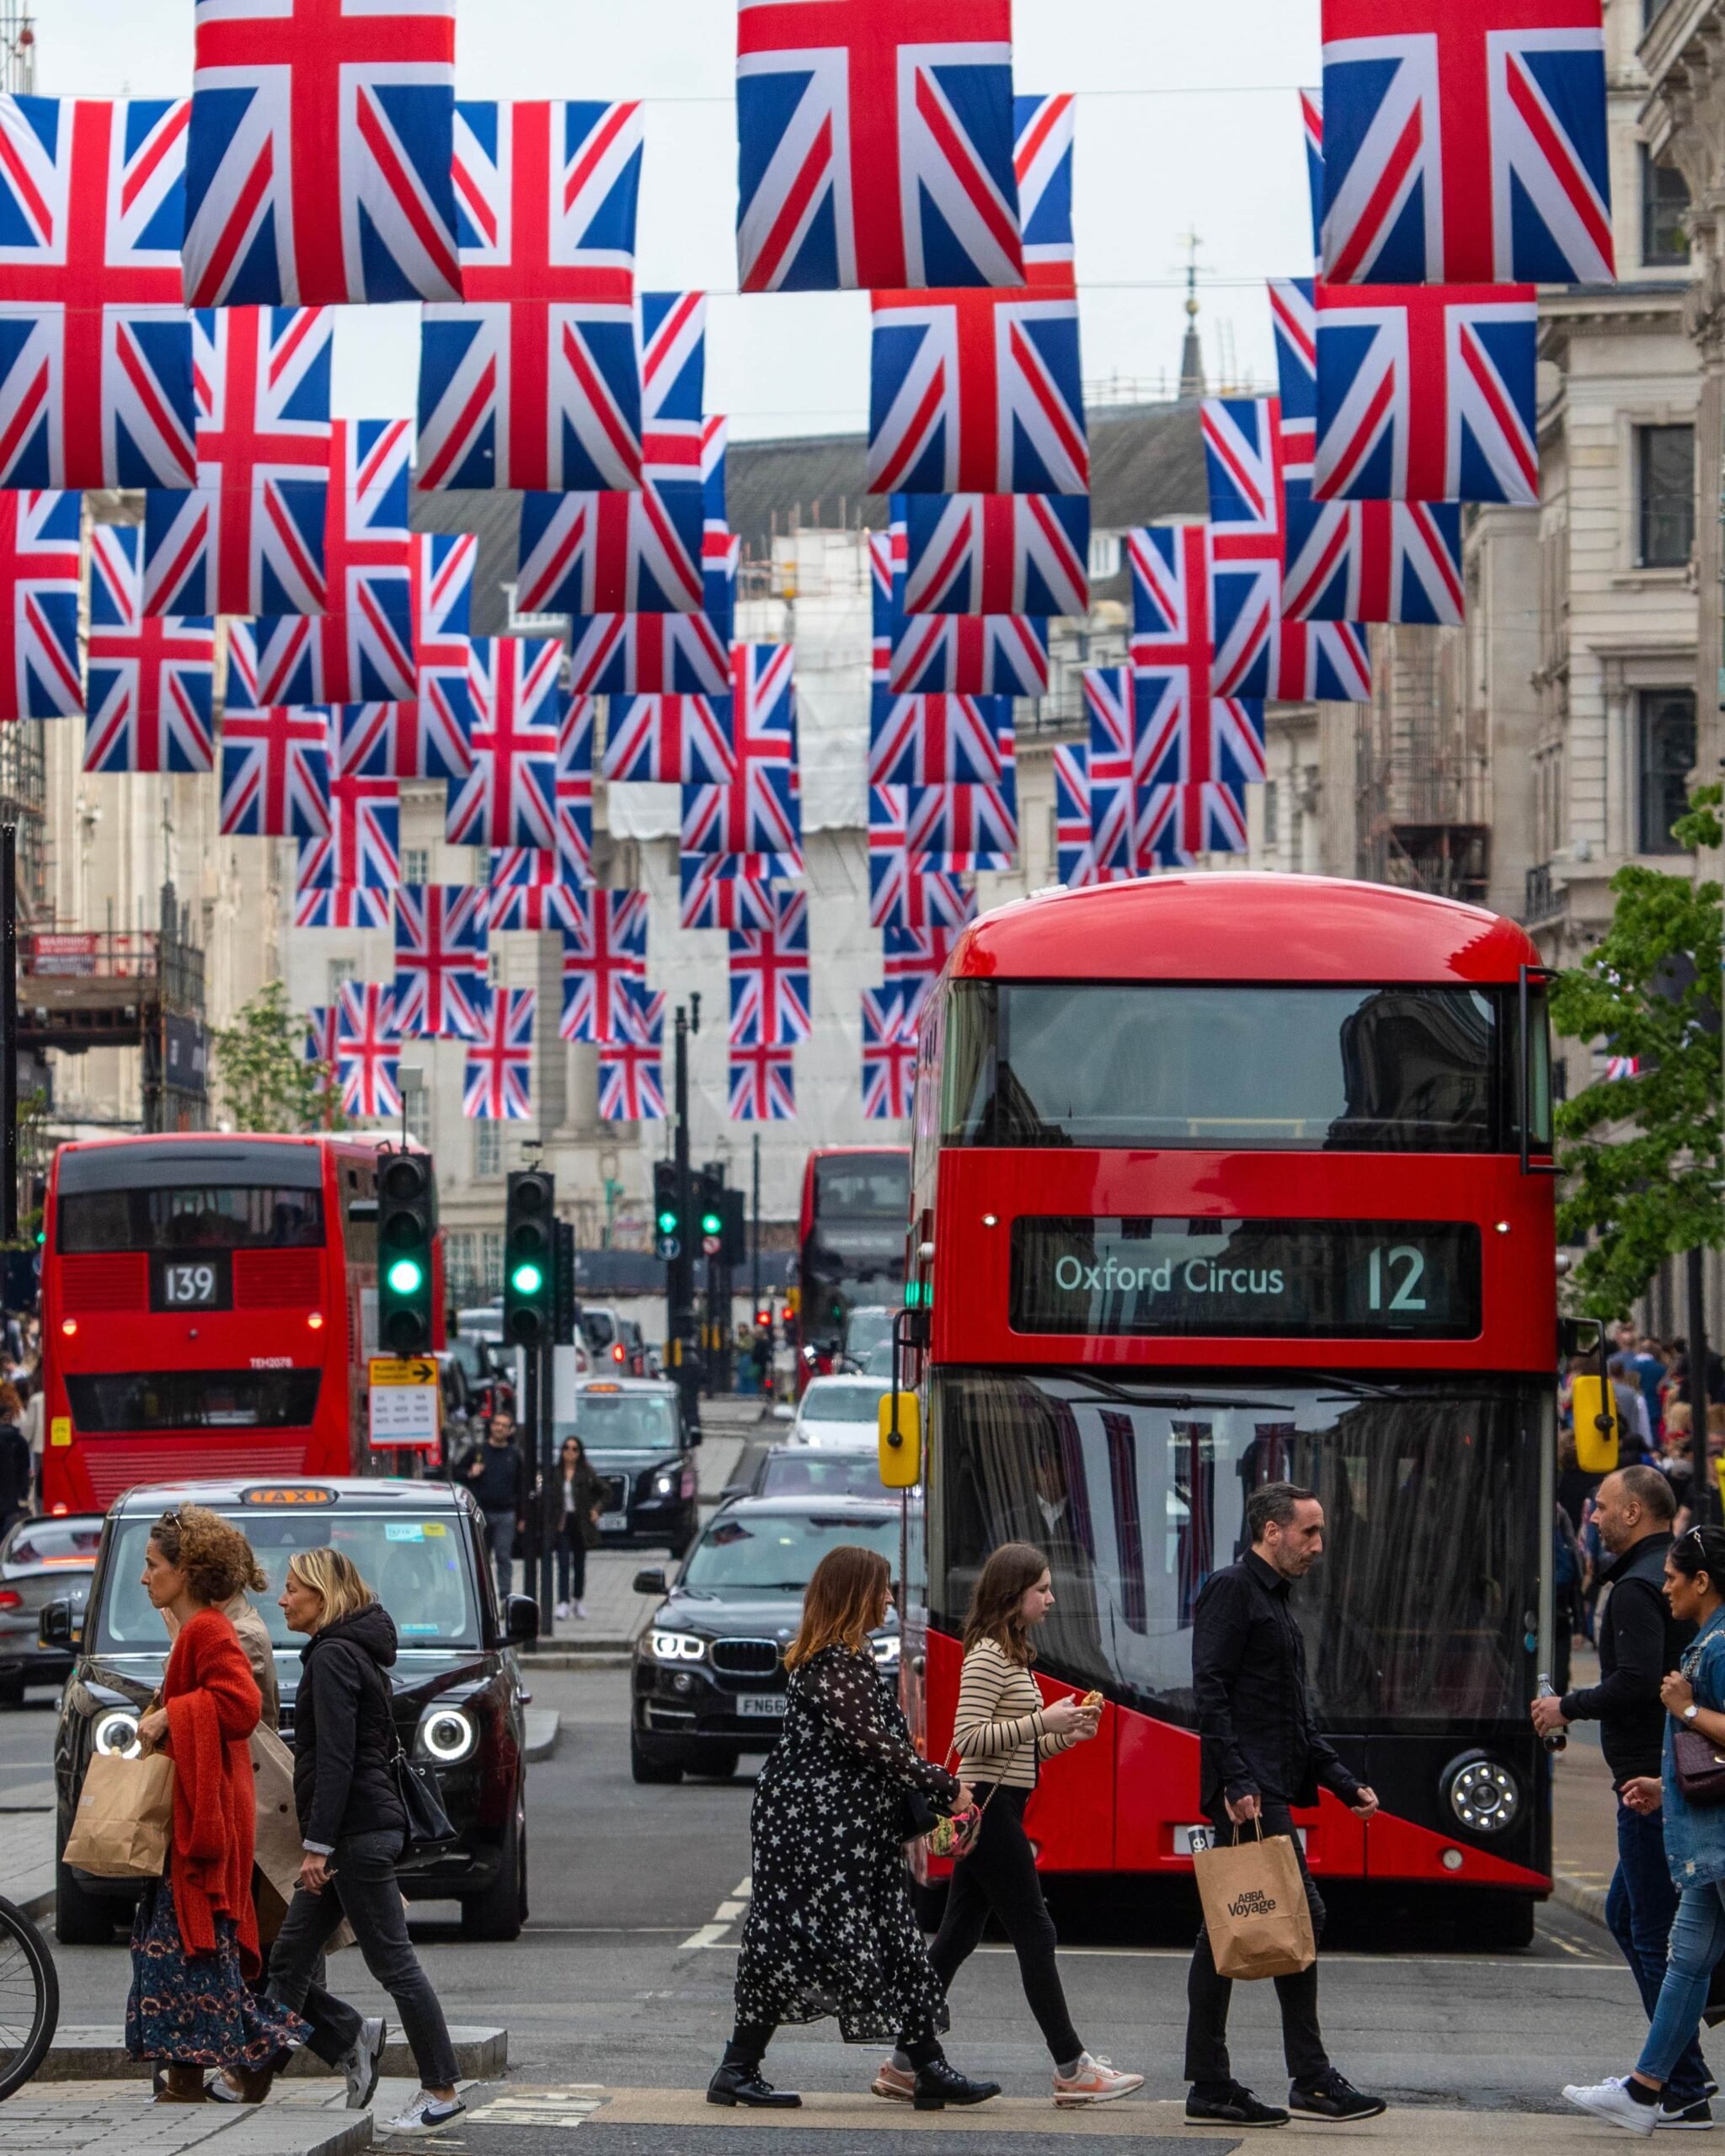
x=214, y=1555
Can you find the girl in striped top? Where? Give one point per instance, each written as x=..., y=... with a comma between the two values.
x=1004, y=1730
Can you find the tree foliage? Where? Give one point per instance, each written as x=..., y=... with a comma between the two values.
x=267, y=1084
x=1640, y=1154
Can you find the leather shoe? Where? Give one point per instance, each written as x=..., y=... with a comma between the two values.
x=939, y=2085
x=743, y=2084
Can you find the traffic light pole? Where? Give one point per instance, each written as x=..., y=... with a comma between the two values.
x=681, y=1276
x=547, y=1509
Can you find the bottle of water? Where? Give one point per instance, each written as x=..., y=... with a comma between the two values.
x=1544, y=1689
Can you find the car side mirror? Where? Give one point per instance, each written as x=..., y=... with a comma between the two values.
x=651, y=1579
x=54, y=1625
x=520, y=1621
x=732, y=1489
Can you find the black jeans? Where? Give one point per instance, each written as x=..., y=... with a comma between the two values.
x=1207, y=1995
x=999, y=1875
x=571, y=1562
x=363, y=1889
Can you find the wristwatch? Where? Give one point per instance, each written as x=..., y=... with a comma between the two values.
x=1690, y=1711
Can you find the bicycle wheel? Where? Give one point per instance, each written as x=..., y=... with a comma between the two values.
x=30, y=1998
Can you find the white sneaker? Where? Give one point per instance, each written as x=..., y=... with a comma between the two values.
x=581, y=1611
x=425, y=2112
x=1611, y=2101
x=563, y=1610
x=1095, y=2082
x=362, y=2065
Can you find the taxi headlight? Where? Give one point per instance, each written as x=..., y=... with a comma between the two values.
x=116, y=1734
x=448, y=1734
x=663, y=1485
x=1485, y=1796
x=886, y=1649
x=678, y=1646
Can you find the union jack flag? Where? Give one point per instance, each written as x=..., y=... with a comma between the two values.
x=769, y=977
x=888, y=1055
x=1427, y=395
x=958, y=654
x=1466, y=142
x=509, y=796
x=759, y=810
x=368, y=1049
x=939, y=741
x=673, y=359
x=96, y=376
x=440, y=952
x=1184, y=731
x=152, y=683
x=362, y=649
x=525, y=891
x=574, y=795
x=614, y=553
x=361, y=849
x=1042, y=161
x=39, y=565
x=241, y=691
x=1311, y=124
x=673, y=741
x=443, y=566
x=632, y=1067
x=712, y=896
x=978, y=394
x=351, y=909
x=248, y=538
x=649, y=654
x=876, y=143
x=1074, y=859
x=1112, y=708
x=604, y=964
x=275, y=774
x=1179, y=825
x=322, y=147
x=996, y=554
x=320, y=1042
x=763, y=1086
x=971, y=827
x=499, y=1087
x=907, y=891
x=1621, y=1066
x=533, y=380
x=917, y=954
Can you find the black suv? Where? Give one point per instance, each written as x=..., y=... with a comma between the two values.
x=709, y=1676
x=642, y=1451
x=458, y=1696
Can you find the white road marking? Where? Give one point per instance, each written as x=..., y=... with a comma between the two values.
x=727, y=1912
x=734, y=1905
x=710, y=1934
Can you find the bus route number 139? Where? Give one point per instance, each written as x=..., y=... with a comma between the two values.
x=190, y=1286
x=1396, y=1274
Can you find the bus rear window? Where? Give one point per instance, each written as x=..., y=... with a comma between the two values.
x=193, y=1400
x=190, y=1216
x=1252, y=1068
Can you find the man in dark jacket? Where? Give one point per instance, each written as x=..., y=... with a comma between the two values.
x=497, y=1475
x=1640, y=1643
x=1261, y=1756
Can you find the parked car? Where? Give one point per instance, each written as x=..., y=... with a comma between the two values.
x=828, y=1473
x=615, y=1340
x=839, y=1411
x=643, y=1452
x=458, y=1697
x=41, y=1561
x=709, y=1677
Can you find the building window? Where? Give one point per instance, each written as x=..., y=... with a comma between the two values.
x=1665, y=214
x=1651, y=11
x=1667, y=728
x=416, y=864
x=488, y=1148
x=1104, y=555
x=1665, y=484
x=491, y=1263
x=1272, y=814
x=341, y=971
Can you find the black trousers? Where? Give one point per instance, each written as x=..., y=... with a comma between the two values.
x=571, y=1562
x=749, y=2039
x=999, y=1875
x=1207, y=1995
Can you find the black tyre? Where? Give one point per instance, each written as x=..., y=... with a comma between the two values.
x=716, y=1766
x=11, y=1691
x=30, y=1998
x=644, y=1768
x=80, y=1919
x=1504, y=1923
x=496, y=1910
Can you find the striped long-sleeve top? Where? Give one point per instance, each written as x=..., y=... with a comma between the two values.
x=999, y=1728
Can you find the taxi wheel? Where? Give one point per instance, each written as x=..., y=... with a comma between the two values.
x=11, y=1692
x=496, y=1911
x=79, y=1918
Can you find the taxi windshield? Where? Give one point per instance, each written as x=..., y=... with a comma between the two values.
x=623, y=1421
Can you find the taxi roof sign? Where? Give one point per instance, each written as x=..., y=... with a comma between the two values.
x=288, y=1493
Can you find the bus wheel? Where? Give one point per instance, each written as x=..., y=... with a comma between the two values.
x=1502, y=1922
x=495, y=1912
x=80, y=1919
x=930, y=1903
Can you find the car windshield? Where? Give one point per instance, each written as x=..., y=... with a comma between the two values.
x=623, y=1421
x=778, y=1551
x=839, y=1402
x=53, y=1542
x=799, y=1472
x=867, y=1328
x=418, y=1568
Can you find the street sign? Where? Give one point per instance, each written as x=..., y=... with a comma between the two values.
x=712, y=1245
x=406, y=1404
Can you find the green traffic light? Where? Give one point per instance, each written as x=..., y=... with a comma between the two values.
x=405, y=1275
x=711, y=1224
x=527, y=1280
x=667, y=1224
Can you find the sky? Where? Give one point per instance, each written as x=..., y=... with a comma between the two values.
x=1187, y=120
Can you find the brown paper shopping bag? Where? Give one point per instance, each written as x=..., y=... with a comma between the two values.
x=1255, y=1908
x=123, y=1824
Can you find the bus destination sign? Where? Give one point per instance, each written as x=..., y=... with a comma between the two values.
x=1260, y=1279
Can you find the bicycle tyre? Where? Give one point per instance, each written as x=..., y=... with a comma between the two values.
x=23, y=1946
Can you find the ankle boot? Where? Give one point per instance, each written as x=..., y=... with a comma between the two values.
x=939, y=2083
x=182, y=2085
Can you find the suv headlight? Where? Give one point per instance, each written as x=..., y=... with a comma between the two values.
x=677, y=1646
x=886, y=1649
x=1484, y=1796
x=116, y=1734
x=448, y=1734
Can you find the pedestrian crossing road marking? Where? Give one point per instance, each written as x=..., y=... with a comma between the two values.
x=553, y=2107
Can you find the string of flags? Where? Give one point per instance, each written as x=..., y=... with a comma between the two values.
x=169, y=280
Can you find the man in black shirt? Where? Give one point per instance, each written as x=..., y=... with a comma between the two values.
x=1261, y=1756
x=1640, y=1643
x=496, y=1473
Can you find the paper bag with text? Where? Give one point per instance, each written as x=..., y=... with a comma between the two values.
x=1255, y=1908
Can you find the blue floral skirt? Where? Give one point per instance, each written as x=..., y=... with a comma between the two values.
x=195, y=2010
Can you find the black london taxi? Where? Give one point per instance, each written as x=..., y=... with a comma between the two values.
x=643, y=1452
x=709, y=1675
x=458, y=1697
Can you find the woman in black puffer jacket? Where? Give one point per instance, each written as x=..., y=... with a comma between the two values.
x=353, y=1827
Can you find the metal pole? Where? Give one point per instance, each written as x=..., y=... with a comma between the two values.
x=755, y=1237
x=8, y=1027
x=682, y=1265
x=548, y=1413
x=1706, y=1495
x=526, y=1443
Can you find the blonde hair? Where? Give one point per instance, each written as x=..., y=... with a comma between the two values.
x=327, y=1572
x=845, y=1600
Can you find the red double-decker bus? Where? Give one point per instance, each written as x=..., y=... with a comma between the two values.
x=850, y=1243
x=1231, y=1180
x=209, y=1305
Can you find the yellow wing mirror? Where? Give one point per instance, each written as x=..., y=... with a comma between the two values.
x=1597, y=1431
x=901, y=1440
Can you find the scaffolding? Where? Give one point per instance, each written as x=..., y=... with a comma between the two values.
x=1421, y=771
x=18, y=49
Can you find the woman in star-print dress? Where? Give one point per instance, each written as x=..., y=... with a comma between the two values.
x=830, y=1929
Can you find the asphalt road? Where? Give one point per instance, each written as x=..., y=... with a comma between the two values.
x=623, y=1976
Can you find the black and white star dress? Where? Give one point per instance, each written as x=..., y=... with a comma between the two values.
x=831, y=1928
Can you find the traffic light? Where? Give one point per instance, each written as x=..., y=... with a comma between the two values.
x=407, y=1223
x=706, y=1196
x=529, y=1258
x=736, y=1231
x=667, y=1212
x=564, y=1290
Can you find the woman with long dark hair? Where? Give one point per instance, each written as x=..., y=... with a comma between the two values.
x=571, y=1519
x=830, y=1930
x=1003, y=1730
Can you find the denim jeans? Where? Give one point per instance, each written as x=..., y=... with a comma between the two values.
x=1207, y=1995
x=501, y=1541
x=363, y=1889
x=1639, y=1909
x=1697, y=1942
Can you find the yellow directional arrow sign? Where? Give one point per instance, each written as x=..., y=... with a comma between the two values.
x=415, y=1369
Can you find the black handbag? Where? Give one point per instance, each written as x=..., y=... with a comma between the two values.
x=429, y=1826
x=1700, y=1767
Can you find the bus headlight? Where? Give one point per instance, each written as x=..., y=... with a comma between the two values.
x=116, y=1734
x=448, y=1734
x=1484, y=1796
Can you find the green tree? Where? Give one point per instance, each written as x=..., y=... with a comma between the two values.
x=266, y=1082
x=1641, y=1156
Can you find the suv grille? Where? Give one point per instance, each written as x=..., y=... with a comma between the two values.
x=744, y=1657
x=617, y=1493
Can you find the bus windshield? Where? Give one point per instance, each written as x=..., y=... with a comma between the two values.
x=1419, y=1614
x=190, y=1216
x=1252, y=1067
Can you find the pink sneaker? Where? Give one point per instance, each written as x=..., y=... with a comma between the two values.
x=1096, y=2082
x=893, y=2083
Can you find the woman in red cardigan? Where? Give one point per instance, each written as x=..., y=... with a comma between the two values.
x=195, y=1942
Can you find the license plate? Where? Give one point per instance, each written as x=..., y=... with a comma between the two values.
x=613, y=1523
x=764, y=1706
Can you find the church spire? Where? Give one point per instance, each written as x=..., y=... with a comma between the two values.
x=1191, y=383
